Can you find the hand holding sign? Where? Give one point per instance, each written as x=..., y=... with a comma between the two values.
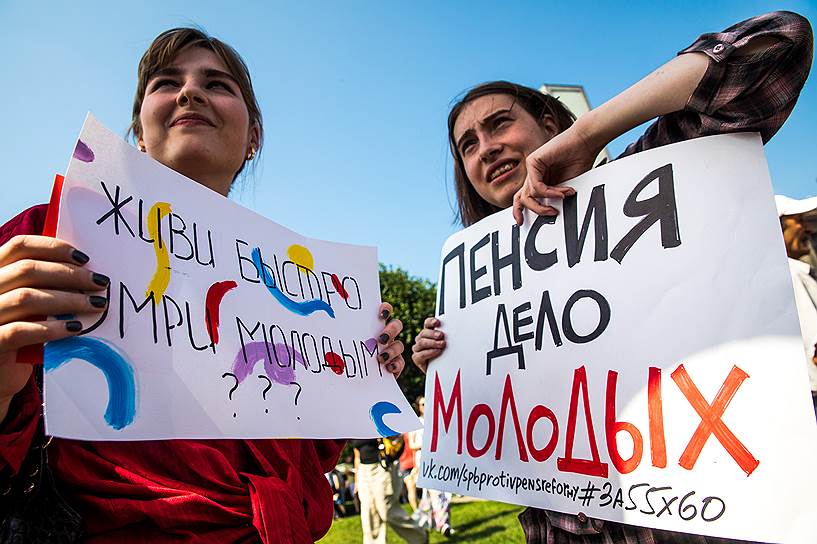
x=565, y=156
x=40, y=276
x=429, y=344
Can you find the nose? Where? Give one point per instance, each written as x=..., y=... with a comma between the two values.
x=190, y=92
x=489, y=149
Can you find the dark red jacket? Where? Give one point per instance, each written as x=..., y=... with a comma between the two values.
x=175, y=490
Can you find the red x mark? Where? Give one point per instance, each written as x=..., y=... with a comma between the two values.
x=711, y=419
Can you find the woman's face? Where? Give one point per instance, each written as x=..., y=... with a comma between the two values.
x=494, y=135
x=194, y=119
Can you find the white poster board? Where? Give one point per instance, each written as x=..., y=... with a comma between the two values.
x=194, y=344
x=652, y=374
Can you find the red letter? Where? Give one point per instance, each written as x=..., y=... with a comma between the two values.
x=507, y=398
x=479, y=410
x=454, y=401
x=613, y=427
x=658, y=448
x=711, y=419
x=536, y=414
x=568, y=463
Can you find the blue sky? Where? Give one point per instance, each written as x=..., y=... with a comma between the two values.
x=354, y=94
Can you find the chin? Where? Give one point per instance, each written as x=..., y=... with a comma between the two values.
x=505, y=197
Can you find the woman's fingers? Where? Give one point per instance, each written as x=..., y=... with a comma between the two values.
x=428, y=344
x=395, y=366
x=53, y=275
x=421, y=343
x=13, y=336
x=390, y=332
x=540, y=190
x=518, y=208
x=20, y=303
x=385, y=311
x=422, y=358
x=430, y=323
x=18, y=334
x=40, y=248
x=391, y=350
x=531, y=203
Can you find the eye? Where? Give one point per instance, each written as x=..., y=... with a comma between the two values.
x=503, y=121
x=467, y=146
x=164, y=82
x=219, y=84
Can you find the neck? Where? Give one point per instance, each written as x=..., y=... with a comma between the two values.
x=219, y=182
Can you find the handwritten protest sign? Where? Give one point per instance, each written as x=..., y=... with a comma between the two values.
x=221, y=323
x=636, y=358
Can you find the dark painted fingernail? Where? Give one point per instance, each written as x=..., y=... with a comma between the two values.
x=384, y=356
x=385, y=314
x=100, y=279
x=80, y=257
x=97, y=301
x=73, y=326
x=64, y=317
x=390, y=367
x=383, y=338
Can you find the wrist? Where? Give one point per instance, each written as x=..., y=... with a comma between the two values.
x=590, y=128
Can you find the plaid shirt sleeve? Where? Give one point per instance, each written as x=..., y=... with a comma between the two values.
x=741, y=93
x=738, y=93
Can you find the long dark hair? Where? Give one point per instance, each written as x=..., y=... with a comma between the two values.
x=471, y=206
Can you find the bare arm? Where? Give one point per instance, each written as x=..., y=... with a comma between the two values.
x=572, y=152
x=735, y=96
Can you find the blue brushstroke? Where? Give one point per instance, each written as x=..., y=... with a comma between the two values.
x=301, y=308
x=377, y=412
x=118, y=373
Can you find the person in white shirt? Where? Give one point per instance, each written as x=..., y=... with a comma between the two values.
x=798, y=219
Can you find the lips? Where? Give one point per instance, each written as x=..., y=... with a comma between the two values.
x=499, y=169
x=190, y=120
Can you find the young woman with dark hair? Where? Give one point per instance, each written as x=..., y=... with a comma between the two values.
x=512, y=147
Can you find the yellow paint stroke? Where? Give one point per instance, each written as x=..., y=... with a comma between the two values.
x=301, y=256
x=161, y=278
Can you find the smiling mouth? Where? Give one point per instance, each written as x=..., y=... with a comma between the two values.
x=502, y=169
x=191, y=122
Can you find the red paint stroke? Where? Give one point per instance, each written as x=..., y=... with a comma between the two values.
x=335, y=362
x=655, y=409
x=215, y=294
x=33, y=354
x=339, y=287
x=711, y=422
x=51, y=217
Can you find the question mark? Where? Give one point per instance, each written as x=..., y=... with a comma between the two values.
x=264, y=393
x=297, y=394
x=230, y=394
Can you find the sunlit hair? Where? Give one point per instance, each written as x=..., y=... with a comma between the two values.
x=167, y=46
x=471, y=206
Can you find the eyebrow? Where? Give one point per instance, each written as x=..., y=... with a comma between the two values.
x=483, y=122
x=174, y=71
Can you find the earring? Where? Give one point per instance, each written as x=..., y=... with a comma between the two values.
x=251, y=153
x=142, y=147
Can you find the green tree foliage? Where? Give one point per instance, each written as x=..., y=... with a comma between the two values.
x=413, y=299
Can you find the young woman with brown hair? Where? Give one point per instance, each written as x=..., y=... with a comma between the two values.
x=195, y=111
